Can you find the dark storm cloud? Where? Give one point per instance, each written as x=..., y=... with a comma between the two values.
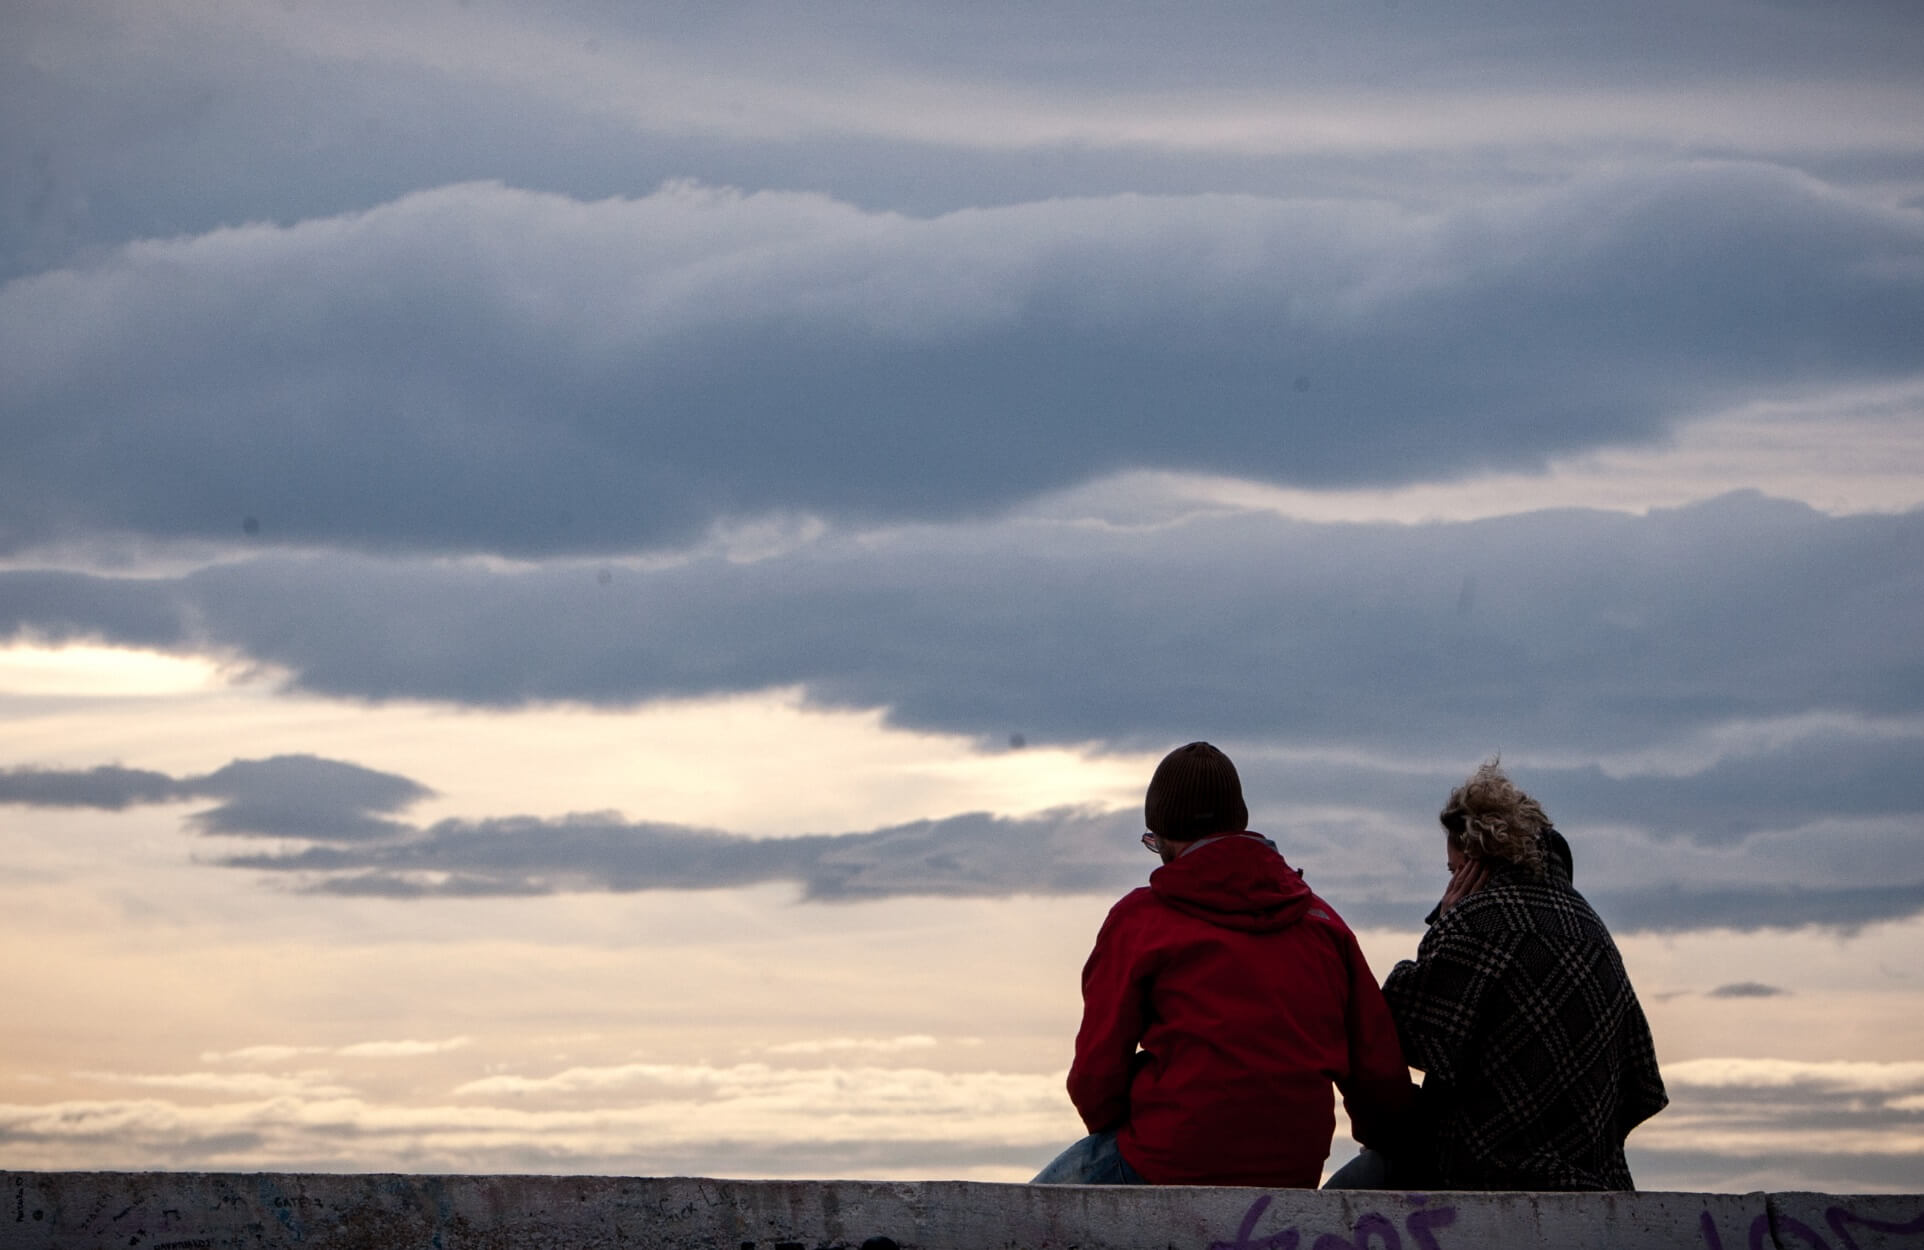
x=1678, y=909
x=298, y=796
x=1591, y=633
x=483, y=369
x=1720, y=705
x=130, y=120
x=1798, y=776
x=1820, y=772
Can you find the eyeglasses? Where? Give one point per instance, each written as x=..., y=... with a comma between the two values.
x=1151, y=843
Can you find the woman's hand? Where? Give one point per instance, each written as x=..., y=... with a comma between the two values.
x=1468, y=878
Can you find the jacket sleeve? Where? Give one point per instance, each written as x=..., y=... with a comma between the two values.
x=1114, y=988
x=1377, y=1093
x=1644, y=1094
x=1438, y=997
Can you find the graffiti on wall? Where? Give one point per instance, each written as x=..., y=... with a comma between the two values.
x=1790, y=1233
x=168, y=1214
x=1375, y=1231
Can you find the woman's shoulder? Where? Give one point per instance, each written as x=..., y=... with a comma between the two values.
x=1516, y=900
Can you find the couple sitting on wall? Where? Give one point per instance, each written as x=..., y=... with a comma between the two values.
x=1224, y=999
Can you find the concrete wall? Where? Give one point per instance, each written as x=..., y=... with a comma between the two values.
x=202, y=1211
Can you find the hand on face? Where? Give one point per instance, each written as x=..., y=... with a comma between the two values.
x=1467, y=876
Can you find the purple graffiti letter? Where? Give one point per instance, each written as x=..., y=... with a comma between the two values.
x=1421, y=1222
x=1367, y=1227
x=1785, y=1224
x=1245, y=1236
x=1837, y=1217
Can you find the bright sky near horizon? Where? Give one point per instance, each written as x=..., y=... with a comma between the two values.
x=594, y=588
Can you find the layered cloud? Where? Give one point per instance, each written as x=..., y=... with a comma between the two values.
x=1858, y=1125
x=401, y=1049
x=1721, y=704
x=1747, y=989
x=962, y=856
x=339, y=809
x=1579, y=637
x=155, y=119
x=483, y=369
x=1362, y=841
x=297, y=796
x=1754, y=1120
x=683, y=1119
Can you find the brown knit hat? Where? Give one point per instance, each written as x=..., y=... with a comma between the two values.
x=1195, y=793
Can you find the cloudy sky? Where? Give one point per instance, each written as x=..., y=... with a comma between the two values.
x=593, y=587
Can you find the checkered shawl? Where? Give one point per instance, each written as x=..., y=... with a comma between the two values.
x=1536, y=1056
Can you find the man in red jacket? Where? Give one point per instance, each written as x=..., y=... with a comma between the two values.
x=1220, y=1004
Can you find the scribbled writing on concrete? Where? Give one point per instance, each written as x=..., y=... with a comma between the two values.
x=1372, y=1229
x=72, y=1211
x=1791, y=1233
x=1375, y=1231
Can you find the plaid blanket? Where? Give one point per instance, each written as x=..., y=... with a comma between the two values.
x=1536, y=1056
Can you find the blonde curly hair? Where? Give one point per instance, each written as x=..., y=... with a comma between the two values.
x=1487, y=817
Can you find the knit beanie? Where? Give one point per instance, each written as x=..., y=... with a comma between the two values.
x=1195, y=793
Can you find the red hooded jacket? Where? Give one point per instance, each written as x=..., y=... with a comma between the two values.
x=1248, y=997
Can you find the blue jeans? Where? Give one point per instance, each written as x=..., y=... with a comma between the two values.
x=1372, y=1169
x=1095, y=1160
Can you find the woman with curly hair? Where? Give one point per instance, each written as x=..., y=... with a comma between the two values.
x=1536, y=1056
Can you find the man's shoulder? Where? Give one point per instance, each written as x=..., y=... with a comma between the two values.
x=1320, y=912
x=1138, y=901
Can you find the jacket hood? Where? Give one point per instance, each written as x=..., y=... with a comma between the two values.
x=1239, y=882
